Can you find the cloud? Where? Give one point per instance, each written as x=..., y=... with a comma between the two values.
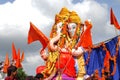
x=32, y=62
x=50, y=8
x=15, y=18
x=18, y=15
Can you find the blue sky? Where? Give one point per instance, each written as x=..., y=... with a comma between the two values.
x=15, y=16
x=5, y=1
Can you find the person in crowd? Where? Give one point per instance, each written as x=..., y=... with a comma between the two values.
x=39, y=76
x=11, y=73
x=30, y=78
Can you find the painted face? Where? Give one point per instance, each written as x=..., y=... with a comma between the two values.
x=59, y=27
x=71, y=28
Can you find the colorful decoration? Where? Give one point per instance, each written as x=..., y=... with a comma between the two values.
x=71, y=53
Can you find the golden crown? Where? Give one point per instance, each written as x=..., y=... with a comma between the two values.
x=74, y=17
x=64, y=11
x=62, y=16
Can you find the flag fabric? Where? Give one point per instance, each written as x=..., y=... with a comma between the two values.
x=86, y=37
x=16, y=57
x=113, y=19
x=98, y=57
x=14, y=54
x=18, y=61
x=6, y=63
x=35, y=34
x=22, y=57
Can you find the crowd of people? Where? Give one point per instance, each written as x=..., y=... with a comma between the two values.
x=13, y=75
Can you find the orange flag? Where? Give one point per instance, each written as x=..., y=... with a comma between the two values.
x=6, y=64
x=35, y=34
x=86, y=38
x=113, y=19
x=22, y=57
x=14, y=55
x=18, y=61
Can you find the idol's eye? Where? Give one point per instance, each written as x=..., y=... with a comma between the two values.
x=64, y=18
x=60, y=26
x=73, y=27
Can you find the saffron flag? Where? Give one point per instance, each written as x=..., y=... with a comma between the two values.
x=22, y=57
x=35, y=34
x=113, y=19
x=86, y=37
x=14, y=54
x=18, y=61
x=6, y=63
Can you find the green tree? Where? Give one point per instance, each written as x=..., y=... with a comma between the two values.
x=21, y=75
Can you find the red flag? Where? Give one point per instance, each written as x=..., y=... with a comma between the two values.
x=113, y=19
x=35, y=34
x=14, y=55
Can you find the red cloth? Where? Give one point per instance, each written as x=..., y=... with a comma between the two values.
x=39, y=69
x=66, y=64
x=8, y=78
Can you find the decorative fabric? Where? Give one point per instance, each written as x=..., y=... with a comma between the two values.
x=97, y=56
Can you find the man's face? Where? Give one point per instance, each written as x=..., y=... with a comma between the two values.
x=14, y=73
x=71, y=28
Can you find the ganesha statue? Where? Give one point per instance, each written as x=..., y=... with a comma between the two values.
x=64, y=59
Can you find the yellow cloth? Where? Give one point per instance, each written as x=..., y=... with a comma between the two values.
x=81, y=64
x=79, y=78
x=50, y=64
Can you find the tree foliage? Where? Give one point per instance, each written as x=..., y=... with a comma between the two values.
x=21, y=75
